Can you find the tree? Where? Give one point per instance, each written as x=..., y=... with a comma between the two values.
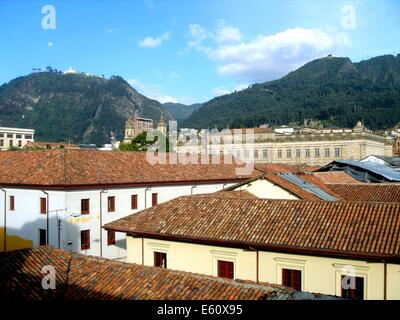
x=140, y=143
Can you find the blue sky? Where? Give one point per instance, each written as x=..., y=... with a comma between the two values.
x=190, y=51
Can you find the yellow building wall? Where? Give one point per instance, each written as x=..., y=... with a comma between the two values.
x=319, y=274
x=14, y=242
x=267, y=190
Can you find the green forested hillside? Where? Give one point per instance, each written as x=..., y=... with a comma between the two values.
x=330, y=89
x=180, y=111
x=73, y=106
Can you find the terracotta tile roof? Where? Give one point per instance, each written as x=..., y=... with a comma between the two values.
x=282, y=168
x=295, y=190
x=49, y=145
x=356, y=229
x=368, y=192
x=235, y=194
x=335, y=177
x=81, y=277
x=92, y=167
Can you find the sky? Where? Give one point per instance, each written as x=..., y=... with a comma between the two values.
x=191, y=51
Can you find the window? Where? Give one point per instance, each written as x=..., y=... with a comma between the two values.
x=246, y=154
x=255, y=154
x=1, y=143
x=288, y=153
x=356, y=293
x=12, y=203
x=225, y=269
x=18, y=136
x=9, y=135
x=134, y=201
x=19, y=143
x=43, y=205
x=28, y=136
x=42, y=237
x=265, y=153
x=327, y=153
x=154, y=199
x=110, y=237
x=85, y=206
x=10, y=143
x=85, y=239
x=298, y=153
x=307, y=153
x=111, y=204
x=238, y=154
x=337, y=152
x=291, y=278
x=316, y=153
x=160, y=259
x=279, y=153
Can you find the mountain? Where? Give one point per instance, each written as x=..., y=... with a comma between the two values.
x=333, y=90
x=179, y=111
x=73, y=106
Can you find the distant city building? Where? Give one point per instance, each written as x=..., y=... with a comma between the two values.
x=136, y=126
x=298, y=145
x=15, y=137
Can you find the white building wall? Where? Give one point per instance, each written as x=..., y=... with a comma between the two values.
x=25, y=221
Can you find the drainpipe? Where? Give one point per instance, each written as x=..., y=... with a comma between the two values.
x=47, y=216
x=5, y=219
x=101, y=221
x=142, y=251
x=257, y=271
x=384, y=280
x=145, y=197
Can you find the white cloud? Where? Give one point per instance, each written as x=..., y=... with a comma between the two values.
x=151, y=91
x=271, y=56
x=220, y=91
x=226, y=34
x=152, y=42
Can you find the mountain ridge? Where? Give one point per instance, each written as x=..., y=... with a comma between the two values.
x=77, y=107
x=331, y=89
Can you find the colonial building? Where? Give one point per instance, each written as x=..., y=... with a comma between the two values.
x=347, y=249
x=15, y=137
x=136, y=126
x=80, y=277
x=162, y=126
x=294, y=146
x=63, y=197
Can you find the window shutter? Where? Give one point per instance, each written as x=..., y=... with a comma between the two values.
x=154, y=199
x=225, y=269
x=12, y=203
x=134, y=204
x=111, y=204
x=110, y=237
x=43, y=205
